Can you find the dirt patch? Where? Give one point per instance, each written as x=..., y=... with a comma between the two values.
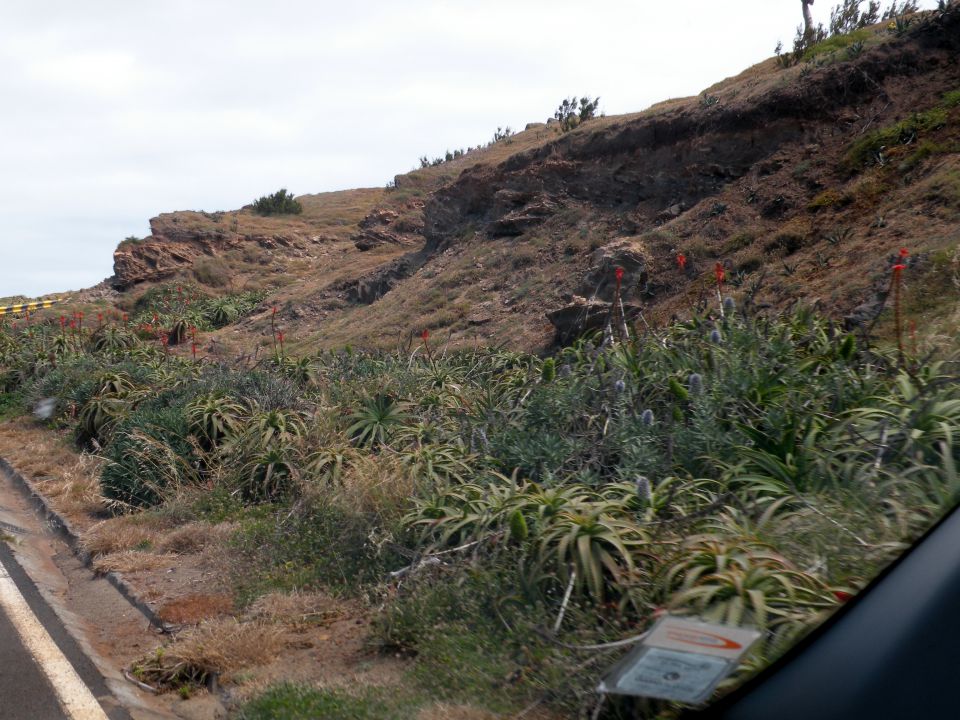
x=191, y=609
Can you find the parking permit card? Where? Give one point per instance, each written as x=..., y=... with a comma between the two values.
x=672, y=675
x=681, y=660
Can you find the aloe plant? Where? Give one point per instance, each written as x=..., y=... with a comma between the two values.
x=375, y=420
x=215, y=417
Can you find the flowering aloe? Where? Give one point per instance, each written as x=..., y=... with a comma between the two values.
x=681, y=261
x=425, y=336
x=720, y=275
x=896, y=281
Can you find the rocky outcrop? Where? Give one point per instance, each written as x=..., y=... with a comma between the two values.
x=384, y=226
x=372, y=287
x=178, y=241
x=174, y=244
x=580, y=316
x=630, y=255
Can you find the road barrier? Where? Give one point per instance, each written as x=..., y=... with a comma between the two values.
x=27, y=307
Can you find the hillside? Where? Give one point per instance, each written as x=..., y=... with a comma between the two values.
x=801, y=181
x=255, y=431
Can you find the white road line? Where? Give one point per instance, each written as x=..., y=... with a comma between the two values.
x=74, y=696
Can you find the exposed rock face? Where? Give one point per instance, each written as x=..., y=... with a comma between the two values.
x=580, y=316
x=179, y=240
x=389, y=226
x=626, y=253
x=370, y=288
x=171, y=247
x=655, y=167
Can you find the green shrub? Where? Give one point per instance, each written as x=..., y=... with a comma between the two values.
x=951, y=99
x=11, y=405
x=835, y=43
x=150, y=457
x=319, y=546
x=738, y=242
x=280, y=203
x=296, y=702
x=829, y=198
x=469, y=627
x=869, y=148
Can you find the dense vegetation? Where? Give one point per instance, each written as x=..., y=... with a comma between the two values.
x=747, y=469
x=279, y=203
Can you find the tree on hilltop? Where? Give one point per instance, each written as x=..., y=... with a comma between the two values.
x=807, y=17
x=572, y=112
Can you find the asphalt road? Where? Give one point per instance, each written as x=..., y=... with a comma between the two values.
x=25, y=692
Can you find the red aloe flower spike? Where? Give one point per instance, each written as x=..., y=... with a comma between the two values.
x=618, y=273
x=193, y=349
x=425, y=336
x=682, y=261
x=125, y=318
x=719, y=272
x=904, y=252
x=896, y=282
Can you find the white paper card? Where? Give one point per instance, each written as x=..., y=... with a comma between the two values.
x=680, y=659
x=672, y=675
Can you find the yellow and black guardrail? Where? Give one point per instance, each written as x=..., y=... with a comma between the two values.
x=27, y=307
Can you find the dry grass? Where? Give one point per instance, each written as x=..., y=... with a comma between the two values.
x=132, y=561
x=376, y=484
x=118, y=535
x=70, y=480
x=216, y=647
x=229, y=645
x=296, y=609
x=195, y=537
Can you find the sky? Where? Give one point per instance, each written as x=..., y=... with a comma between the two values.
x=112, y=112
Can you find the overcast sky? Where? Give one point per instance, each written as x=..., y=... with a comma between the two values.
x=115, y=111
